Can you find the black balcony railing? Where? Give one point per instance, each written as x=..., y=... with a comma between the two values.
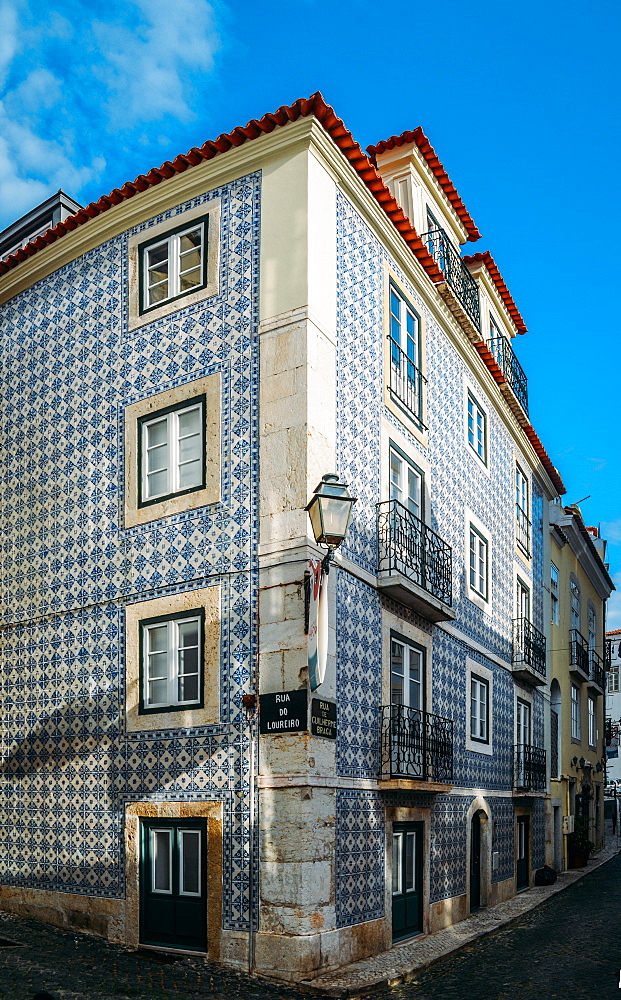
x=522, y=529
x=529, y=645
x=406, y=545
x=578, y=651
x=597, y=670
x=511, y=369
x=455, y=271
x=529, y=768
x=406, y=381
x=416, y=744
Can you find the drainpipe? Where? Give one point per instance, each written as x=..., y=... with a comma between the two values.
x=249, y=702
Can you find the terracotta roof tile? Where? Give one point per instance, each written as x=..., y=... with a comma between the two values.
x=492, y=269
x=420, y=139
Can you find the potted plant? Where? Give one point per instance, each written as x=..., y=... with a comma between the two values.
x=579, y=846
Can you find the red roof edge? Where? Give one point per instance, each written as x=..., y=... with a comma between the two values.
x=420, y=139
x=529, y=430
x=302, y=108
x=492, y=268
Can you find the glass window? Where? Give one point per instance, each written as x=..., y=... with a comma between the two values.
x=592, y=723
x=592, y=626
x=522, y=600
x=406, y=484
x=554, y=594
x=613, y=680
x=522, y=510
x=171, y=662
x=479, y=709
x=172, y=446
x=406, y=674
x=173, y=265
x=478, y=569
x=477, y=429
x=523, y=723
x=575, y=712
x=575, y=604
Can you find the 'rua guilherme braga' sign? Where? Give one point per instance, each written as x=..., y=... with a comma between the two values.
x=283, y=712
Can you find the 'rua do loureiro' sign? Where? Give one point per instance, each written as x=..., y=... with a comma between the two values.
x=283, y=712
x=323, y=718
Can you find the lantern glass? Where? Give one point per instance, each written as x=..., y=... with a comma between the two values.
x=330, y=511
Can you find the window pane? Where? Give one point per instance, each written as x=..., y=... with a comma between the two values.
x=161, y=860
x=157, y=484
x=415, y=678
x=157, y=433
x=396, y=491
x=189, y=241
x=158, y=293
x=189, y=279
x=157, y=666
x=157, y=638
x=409, y=861
x=158, y=692
x=397, y=839
x=190, y=862
x=396, y=681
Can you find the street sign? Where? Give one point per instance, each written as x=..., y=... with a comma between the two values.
x=323, y=718
x=283, y=712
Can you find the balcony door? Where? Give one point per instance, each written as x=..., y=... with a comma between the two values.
x=173, y=884
x=406, y=483
x=523, y=740
x=407, y=880
x=522, y=852
x=407, y=708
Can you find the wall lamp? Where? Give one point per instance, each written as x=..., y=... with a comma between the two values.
x=330, y=513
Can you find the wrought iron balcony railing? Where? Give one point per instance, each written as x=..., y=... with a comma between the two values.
x=406, y=381
x=522, y=529
x=529, y=646
x=511, y=369
x=597, y=670
x=529, y=768
x=455, y=271
x=406, y=545
x=578, y=651
x=416, y=744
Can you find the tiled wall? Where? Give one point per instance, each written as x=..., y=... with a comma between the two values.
x=70, y=366
x=457, y=480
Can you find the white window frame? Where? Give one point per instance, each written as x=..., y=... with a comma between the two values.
x=180, y=835
x=484, y=535
x=592, y=722
x=407, y=467
x=174, y=259
x=414, y=659
x=479, y=445
x=522, y=509
x=576, y=710
x=479, y=709
x=169, y=833
x=173, y=438
x=476, y=671
x=554, y=594
x=613, y=680
x=173, y=658
x=478, y=563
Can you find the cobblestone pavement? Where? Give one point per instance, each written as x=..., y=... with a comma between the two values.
x=568, y=946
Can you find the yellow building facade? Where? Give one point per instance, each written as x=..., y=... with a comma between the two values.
x=579, y=587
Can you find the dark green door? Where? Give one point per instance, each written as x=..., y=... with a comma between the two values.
x=475, y=862
x=522, y=852
x=407, y=879
x=173, y=883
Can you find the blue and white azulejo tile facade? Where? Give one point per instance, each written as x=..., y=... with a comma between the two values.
x=458, y=481
x=69, y=565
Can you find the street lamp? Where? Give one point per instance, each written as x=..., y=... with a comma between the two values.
x=330, y=512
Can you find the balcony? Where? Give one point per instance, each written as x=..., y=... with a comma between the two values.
x=522, y=529
x=416, y=746
x=597, y=671
x=414, y=565
x=461, y=293
x=529, y=768
x=578, y=655
x=406, y=381
x=511, y=369
x=529, y=652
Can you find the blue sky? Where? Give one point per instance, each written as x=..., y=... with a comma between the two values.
x=521, y=102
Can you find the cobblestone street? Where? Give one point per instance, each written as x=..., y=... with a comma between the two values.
x=569, y=948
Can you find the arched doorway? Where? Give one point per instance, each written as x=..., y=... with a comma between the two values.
x=475, y=862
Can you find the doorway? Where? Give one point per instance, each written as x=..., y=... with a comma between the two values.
x=407, y=880
x=173, y=883
x=475, y=862
x=522, y=867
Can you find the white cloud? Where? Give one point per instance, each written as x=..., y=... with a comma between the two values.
x=611, y=531
x=91, y=91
